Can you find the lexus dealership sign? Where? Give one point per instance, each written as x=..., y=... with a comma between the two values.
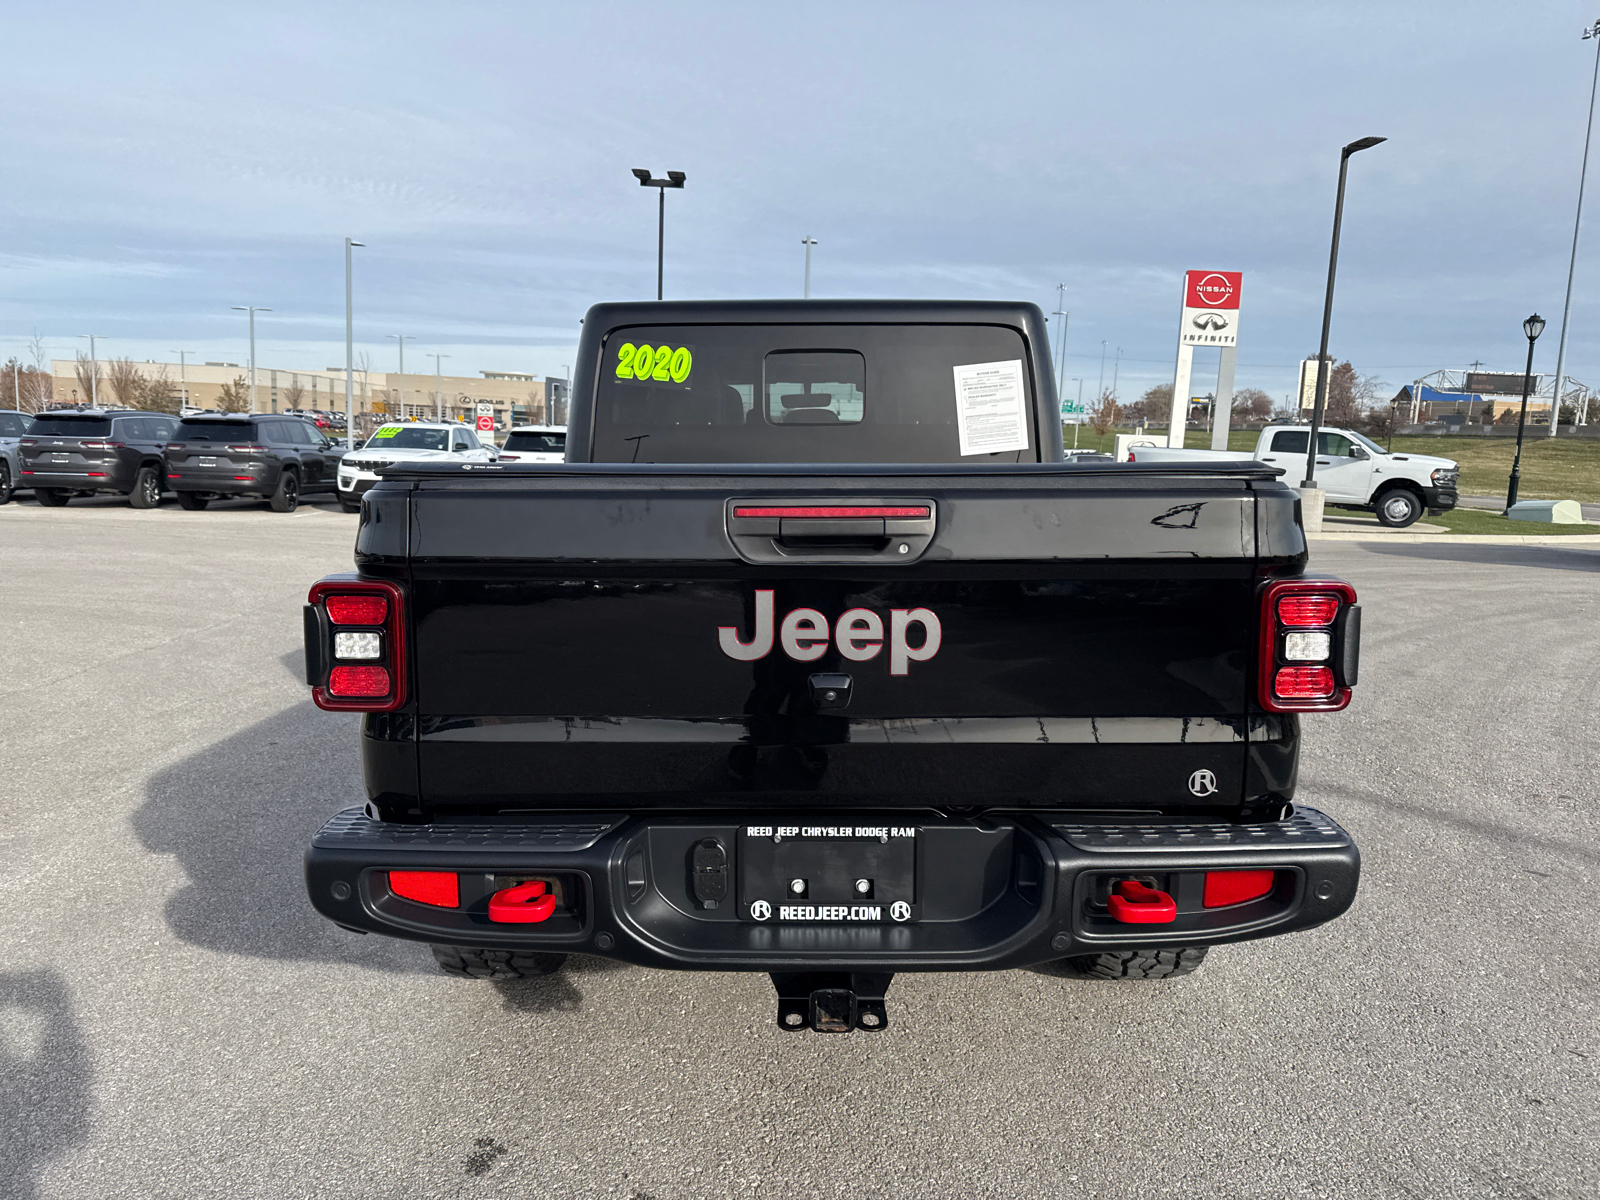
x=1210, y=308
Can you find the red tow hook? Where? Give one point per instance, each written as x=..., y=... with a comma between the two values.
x=1132, y=903
x=523, y=904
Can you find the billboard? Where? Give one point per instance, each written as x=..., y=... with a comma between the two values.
x=1497, y=383
x=1210, y=308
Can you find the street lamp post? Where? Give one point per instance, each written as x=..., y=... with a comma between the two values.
x=674, y=179
x=400, y=380
x=1590, y=34
x=94, y=370
x=1310, y=481
x=808, y=241
x=349, y=354
x=1066, y=318
x=1532, y=328
x=438, y=395
x=252, y=309
x=183, y=378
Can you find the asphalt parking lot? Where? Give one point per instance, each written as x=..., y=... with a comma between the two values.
x=175, y=1021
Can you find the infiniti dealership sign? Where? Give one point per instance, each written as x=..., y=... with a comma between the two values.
x=1210, y=308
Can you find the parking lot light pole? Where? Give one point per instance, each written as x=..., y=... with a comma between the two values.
x=1590, y=34
x=94, y=368
x=349, y=354
x=401, y=338
x=438, y=394
x=1532, y=327
x=252, y=309
x=183, y=379
x=674, y=179
x=808, y=241
x=1310, y=481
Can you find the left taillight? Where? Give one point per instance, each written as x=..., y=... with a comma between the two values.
x=1310, y=644
x=355, y=645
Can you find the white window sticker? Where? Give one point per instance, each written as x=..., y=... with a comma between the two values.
x=991, y=407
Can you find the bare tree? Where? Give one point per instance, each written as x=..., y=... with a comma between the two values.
x=1252, y=404
x=89, y=376
x=125, y=381
x=294, y=396
x=36, y=392
x=1103, y=413
x=235, y=396
x=1343, y=406
x=155, y=393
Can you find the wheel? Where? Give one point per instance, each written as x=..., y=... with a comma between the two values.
x=287, y=498
x=1398, y=508
x=1138, y=964
x=5, y=482
x=192, y=502
x=349, y=505
x=469, y=962
x=51, y=497
x=146, y=488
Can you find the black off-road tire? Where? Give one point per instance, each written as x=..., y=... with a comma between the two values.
x=350, y=506
x=287, y=498
x=146, y=488
x=1139, y=964
x=1398, y=507
x=51, y=497
x=470, y=962
x=5, y=482
x=192, y=501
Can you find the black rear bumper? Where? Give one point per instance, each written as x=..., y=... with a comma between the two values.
x=982, y=893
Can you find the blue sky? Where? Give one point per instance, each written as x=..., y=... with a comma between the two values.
x=167, y=162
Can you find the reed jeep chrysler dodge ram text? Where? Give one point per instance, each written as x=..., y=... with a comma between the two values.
x=814, y=658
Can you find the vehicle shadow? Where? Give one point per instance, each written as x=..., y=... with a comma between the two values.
x=238, y=816
x=1578, y=558
x=45, y=1078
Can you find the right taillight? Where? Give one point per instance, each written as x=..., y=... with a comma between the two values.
x=1310, y=639
x=355, y=645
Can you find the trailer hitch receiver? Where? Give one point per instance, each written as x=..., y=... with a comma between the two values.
x=832, y=1001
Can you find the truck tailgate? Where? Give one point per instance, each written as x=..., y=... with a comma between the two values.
x=589, y=635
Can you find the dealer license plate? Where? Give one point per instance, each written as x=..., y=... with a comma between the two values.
x=58, y=458
x=816, y=873
x=204, y=461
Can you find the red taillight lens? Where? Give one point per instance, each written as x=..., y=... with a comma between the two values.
x=1308, y=610
x=357, y=610
x=438, y=888
x=917, y=512
x=1235, y=887
x=1303, y=683
x=245, y=449
x=99, y=445
x=358, y=682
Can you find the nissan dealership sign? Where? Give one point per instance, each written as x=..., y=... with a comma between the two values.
x=1210, y=308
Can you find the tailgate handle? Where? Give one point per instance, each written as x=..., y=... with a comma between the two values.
x=882, y=530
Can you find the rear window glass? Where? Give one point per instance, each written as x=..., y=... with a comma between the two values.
x=537, y=443
x=53, y=425
x=403, y=437
x=215, y=431
x=11, y=425
x=821, y=393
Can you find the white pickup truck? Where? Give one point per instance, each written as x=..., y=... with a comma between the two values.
x=1353, y=470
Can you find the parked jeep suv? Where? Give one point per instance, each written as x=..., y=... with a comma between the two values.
x=12, y=425
x=279, y=458
x=81, y=451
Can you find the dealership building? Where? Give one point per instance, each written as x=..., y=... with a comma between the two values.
x=515, y=398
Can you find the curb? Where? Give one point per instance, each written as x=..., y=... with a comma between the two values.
x=1577, y=541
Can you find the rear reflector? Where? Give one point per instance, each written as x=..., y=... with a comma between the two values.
x=914, y=512
x=358, y=681
x=1308, y=610
x=1303, y=683
x=1235, y=887
x=357, y=610
x=427, y=887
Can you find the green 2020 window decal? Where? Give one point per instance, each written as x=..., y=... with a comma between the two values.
x=645, y=363
x=388, y=431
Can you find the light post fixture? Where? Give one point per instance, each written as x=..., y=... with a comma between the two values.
x=1532, y=328
x=183, y=379
x=252, y=309
x=400, y=382
x=438, y=395
x=1100, y=389
x=349, y=354
x=1066, y=318
x=94, y=369
x=808, y=241
x=1366, y=143
x=1592, y=33
x=674, y=179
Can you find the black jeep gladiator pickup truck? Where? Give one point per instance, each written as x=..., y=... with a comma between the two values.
x=814, y=658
